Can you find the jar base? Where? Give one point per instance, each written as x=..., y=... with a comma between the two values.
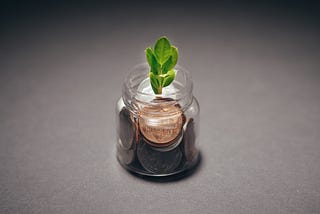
x=186, y=170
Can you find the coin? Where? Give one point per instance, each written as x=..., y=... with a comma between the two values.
x=157, y=161
x=126, y=129
x=125, y=156
x=161, y=123
x=188, y=141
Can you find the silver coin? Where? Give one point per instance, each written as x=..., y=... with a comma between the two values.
x=155, y=161
x=125, y=156
x=188, y=142
x=126, y=129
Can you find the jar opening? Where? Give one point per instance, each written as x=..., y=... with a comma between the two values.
x=137, y=87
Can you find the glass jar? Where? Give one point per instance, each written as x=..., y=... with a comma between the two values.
x=157, y=134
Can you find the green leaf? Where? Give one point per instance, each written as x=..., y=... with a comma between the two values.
x=152, y=61
x=168, y=65
x=171, y=62
x=174, y=54
x=162, y=49
x=153, y=80
x=167, y=80
x=154, y=83
x=155, y=90
x=149, y=56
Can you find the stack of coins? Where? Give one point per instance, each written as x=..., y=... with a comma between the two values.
x=188, y=142
x=127, y=136
x=160, y=141
x=161, y=129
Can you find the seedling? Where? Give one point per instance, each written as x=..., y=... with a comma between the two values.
x=161, y=60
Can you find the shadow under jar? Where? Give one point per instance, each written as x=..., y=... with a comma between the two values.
x=157, y=134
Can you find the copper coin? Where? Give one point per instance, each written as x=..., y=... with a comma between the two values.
x=188, y=142
x=125, y=156
x=126, y=129
x=156, y=161
x=161, y=123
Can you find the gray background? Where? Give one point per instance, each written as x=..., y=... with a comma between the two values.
x=256, y=75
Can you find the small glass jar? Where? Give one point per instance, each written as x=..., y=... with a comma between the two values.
x=157, y=133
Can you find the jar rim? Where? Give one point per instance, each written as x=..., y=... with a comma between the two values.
x=140, y=73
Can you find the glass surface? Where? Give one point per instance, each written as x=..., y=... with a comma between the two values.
x=157, y=134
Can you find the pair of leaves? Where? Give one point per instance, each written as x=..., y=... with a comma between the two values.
x=161, y=61
x=160, y=81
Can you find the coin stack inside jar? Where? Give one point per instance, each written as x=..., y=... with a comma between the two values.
x=159, y=140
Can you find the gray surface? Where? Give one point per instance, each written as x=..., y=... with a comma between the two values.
x=256, y=77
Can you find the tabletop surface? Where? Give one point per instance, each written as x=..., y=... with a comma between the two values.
x=256, y=76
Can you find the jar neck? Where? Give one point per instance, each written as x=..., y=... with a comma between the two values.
x=137, y=91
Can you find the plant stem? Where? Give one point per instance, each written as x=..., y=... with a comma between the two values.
x=160, y=90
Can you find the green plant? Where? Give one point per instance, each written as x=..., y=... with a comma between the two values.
x=161, y=60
